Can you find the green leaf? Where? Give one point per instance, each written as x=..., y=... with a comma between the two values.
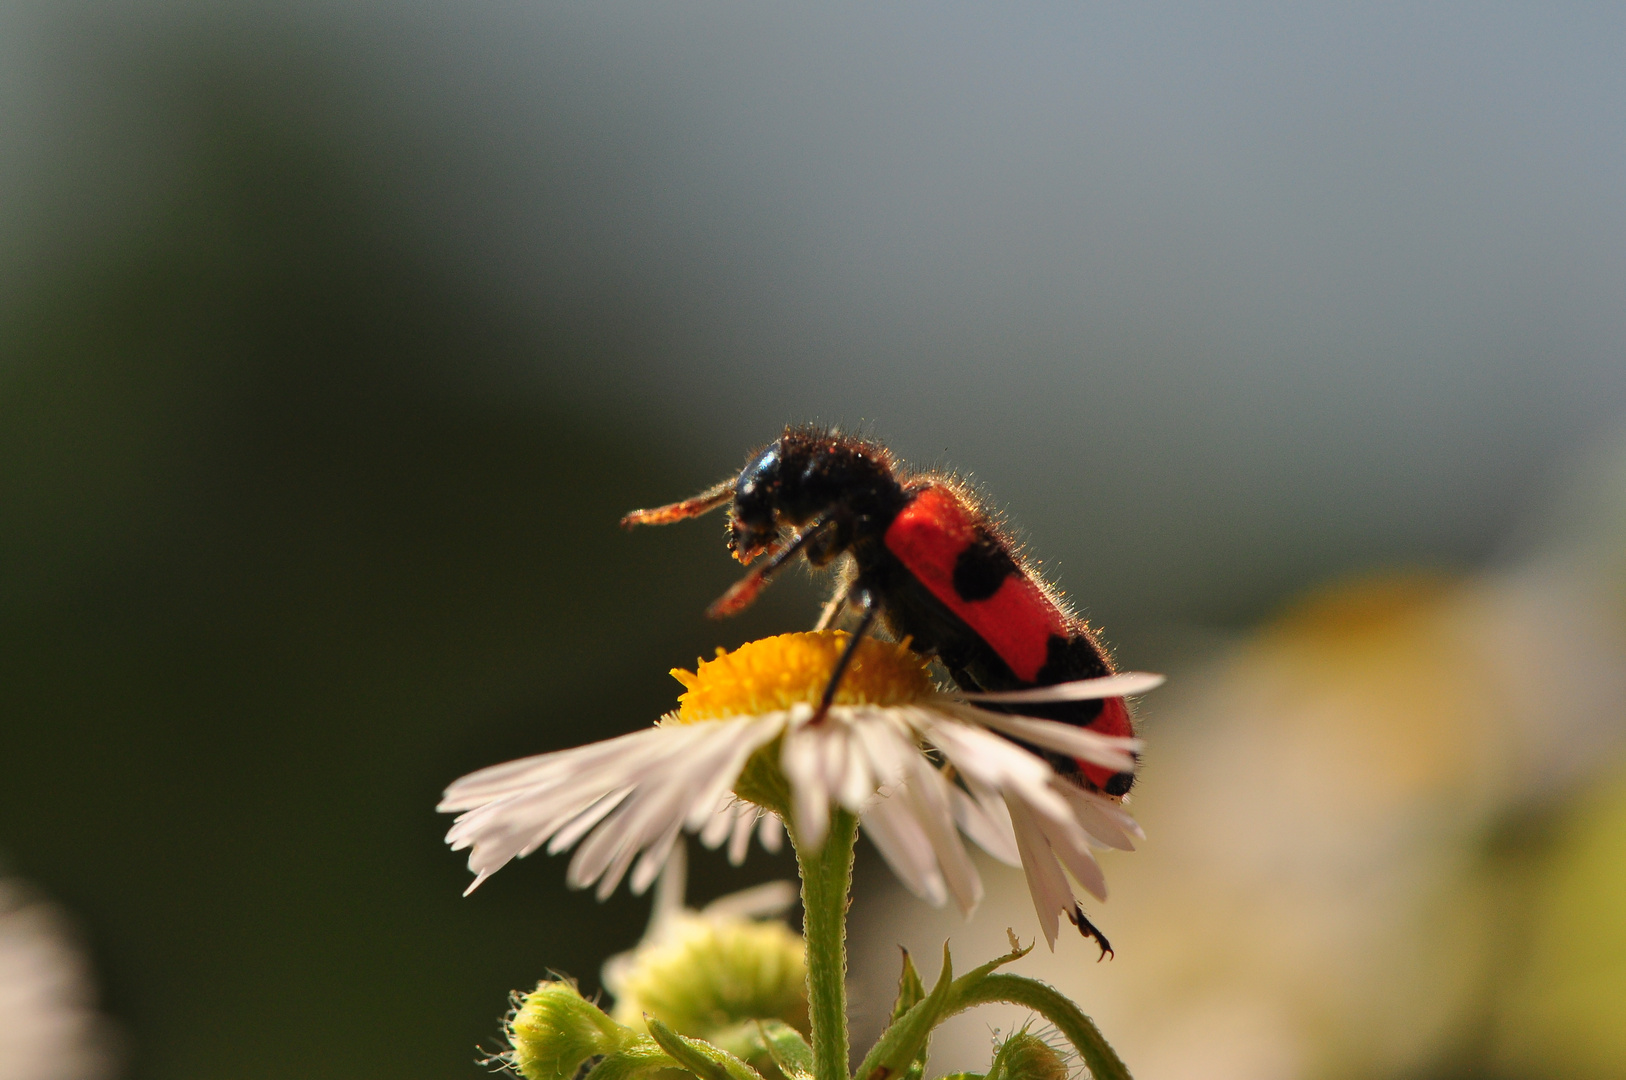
x=900, y=1044
x=910, y=989
x=972, y=978
x=910, y=993
x=961, y=1076
x=698, y=1056
x=640, y=1057
x=787, y=1049
x=901, y=1049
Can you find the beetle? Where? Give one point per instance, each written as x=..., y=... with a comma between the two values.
x=926, y=560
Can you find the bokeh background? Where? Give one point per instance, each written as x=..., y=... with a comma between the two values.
x=335, y=337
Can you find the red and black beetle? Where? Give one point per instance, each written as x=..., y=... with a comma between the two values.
x=925, y=559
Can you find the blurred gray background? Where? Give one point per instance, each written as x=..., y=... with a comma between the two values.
x=334, y=338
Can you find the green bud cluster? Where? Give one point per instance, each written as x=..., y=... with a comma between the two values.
x=706, y=976
x=1025, y=1056
x=733, y=983
x=555, y=1031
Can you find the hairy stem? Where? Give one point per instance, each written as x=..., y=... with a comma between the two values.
x=1049, y=1003
x=826, y=878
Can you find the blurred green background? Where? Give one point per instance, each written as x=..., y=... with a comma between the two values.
x=335, y=338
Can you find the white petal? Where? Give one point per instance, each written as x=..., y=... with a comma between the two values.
x=858, y=781
x=770, y=833
x=670, y=890
x=903, y=844
x=1046, y=883
x=737, y=750
x=991, y=832
x=720, y=823
x=662, y=798
x=890, y=748
x=1069, y=842
x=615, y=871
x=1108, y=751
x=486, y=785
x=1124, y=684
x=626, y=801
x=988, y=759
x=739, y=841
x=812, y=816
x=879, y=753
x=584, y=822
x=516, y=825
x=648, y=815
x=836, y=762
x=653, y=860
x=1102, y=818
x=523, y=818
x=758, y=902
x=800, y=758
x=929, y=800
x=605, y=846
x=990, y=763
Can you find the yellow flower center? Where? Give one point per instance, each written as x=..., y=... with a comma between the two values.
x=775, y=673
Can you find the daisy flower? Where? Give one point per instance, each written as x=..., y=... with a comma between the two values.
x=741, y=755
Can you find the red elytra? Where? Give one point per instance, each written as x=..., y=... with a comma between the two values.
x=1112, y=720
x=1017, y=621
x=928, y=535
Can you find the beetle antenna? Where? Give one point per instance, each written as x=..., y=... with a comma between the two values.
x=703, y=503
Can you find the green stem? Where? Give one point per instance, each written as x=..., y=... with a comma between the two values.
x=1074, y=1026
x=826, y=878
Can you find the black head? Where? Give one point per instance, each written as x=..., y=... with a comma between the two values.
x=833, y=490
x=806, y=474
x=754, y=522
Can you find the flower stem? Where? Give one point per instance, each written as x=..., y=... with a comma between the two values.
x=826, y=878
x=1075, y=1027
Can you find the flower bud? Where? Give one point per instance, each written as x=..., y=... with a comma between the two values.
x=706, y=974
x=1025, y=1056
x=555, y=1030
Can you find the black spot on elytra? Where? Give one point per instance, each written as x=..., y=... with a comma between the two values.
x=1120, y=783
x=1076, y=656
x=1072, y=769
x=981, y=569
x=1070, y=658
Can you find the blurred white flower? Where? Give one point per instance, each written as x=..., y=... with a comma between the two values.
x=49, y=1026
x=630, y=797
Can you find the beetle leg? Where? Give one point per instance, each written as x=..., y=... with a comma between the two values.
x=833, y=607
x=1090, y=930
x=740, y=594
x=866, y=602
